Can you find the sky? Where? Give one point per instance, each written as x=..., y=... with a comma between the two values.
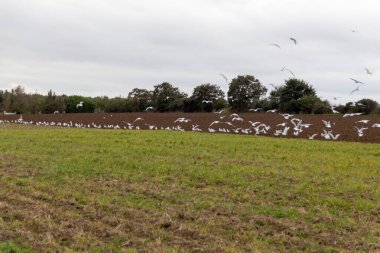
x=109, y=47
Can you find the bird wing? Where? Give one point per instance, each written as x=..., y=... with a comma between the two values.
x=294, y=40
x=224, y=77
x=276, y=45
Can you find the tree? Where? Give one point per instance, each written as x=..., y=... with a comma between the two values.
x=53, y=103
x=207, y=95
x=167, y=98
x=245, y=92
x=73, y=101
x=295, y=96
x=140, y=99
x=366, y=106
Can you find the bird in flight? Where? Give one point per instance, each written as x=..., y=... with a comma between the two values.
x=276, y=45
x=356, y=81
x=368, y=71
x=224, y=77
x=356, y=89
x=291, y=72
x=294, y=40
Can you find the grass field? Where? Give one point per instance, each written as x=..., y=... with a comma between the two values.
x=125, y=191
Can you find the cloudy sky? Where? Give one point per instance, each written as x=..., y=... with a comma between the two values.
x=108, y=47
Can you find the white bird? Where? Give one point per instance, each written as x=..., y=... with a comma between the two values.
x=282, y=124
x=254, y=123
x=327, y=123
x=356, y=81
x=311, y=137
x=376, y=125
x=294, y=40
x=210, y=130
x=220, y=112
x=272, y=111
x=254, y=110
x=207, y=101
x=361, y=131
x=150, y=108
x=352, y=114
x=368, y=71
x=286, y=115
x=364, y=121
x=137, y=119
x=56, y=112
x=182, y=120
x=80, y=104
x=333, y=110
x=276, y=45
x=214, y=122
x=237, y=119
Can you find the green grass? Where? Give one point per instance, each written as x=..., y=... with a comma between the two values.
x=126, y=191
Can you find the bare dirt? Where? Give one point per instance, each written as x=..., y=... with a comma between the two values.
x=346, y=127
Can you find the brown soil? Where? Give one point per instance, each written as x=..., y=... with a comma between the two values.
x=345, y=126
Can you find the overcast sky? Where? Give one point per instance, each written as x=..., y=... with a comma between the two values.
x=108, y=47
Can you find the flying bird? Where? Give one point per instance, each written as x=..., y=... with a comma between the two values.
x=294, y=40
x=224, y=77
x=276, y=45
x=355, y=90
x=356, y=81
x=291, y=72
x=368, y=71
x=80, y=104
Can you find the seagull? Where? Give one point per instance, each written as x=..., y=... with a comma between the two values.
x=272, y=111
x=352, y=114
x=276, y=45
x=286, y=115
x=283, y=68
x=355, y=90
x=214, y=122
x=294, y=40
x=137, y=119
x=182, y=120
x=312, y=136
x=327, y=123
x=361, y=131
x=356, y=81
x=376, y=125
x=221, y=111
x=334, y=111
x=224, y=77
x=80, y=104
x=368, y=71
x=207, y=101
x=364, y=121
x=254, y=110
x=150, y=108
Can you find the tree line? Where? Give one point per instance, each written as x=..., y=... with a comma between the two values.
x=245, y=93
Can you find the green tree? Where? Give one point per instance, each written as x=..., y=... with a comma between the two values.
x=245, y=92
x=366, y=106
x=140, y=99
x=73, y=104
x=167, y=98
x=53, y=103
x=206, y=95
x=295, y=96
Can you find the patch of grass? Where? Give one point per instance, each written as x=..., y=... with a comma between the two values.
x=106, y=190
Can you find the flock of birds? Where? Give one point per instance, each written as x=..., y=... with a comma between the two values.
x=295, y=42
x=223, y=123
